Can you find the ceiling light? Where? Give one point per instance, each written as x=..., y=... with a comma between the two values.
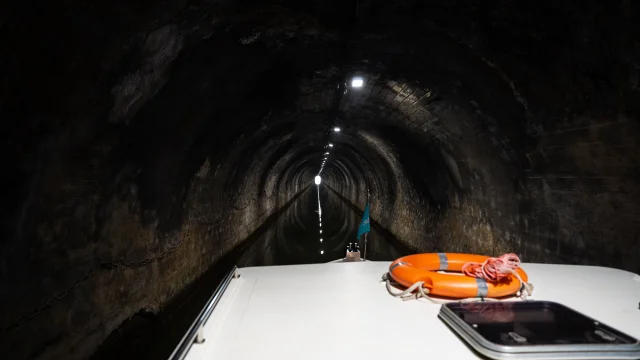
x=357, y=82
x=327, y=153
x=321, y=252
x=330, y=145
x=336, y=129
x=317, y=180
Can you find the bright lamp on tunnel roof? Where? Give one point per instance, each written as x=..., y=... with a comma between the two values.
x=330, y=145
x=317, y=180
x=357, y=82
x=321, y=252
x=336, y=129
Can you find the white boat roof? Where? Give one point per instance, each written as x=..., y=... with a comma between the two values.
x=342, y=311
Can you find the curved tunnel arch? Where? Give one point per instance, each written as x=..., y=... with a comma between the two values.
x=151, y=147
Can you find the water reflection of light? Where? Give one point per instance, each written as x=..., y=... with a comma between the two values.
x=319, y=207
x=320, y=212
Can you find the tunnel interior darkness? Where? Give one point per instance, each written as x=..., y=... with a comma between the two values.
x=145, y=143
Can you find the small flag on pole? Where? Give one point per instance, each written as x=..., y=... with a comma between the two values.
x=364, y=224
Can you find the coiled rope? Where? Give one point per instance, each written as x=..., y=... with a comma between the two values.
x=496, y=269
x=492, y=269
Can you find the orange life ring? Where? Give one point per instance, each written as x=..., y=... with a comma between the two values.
x=424, y=267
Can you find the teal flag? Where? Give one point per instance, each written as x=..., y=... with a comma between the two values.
x=364, y=224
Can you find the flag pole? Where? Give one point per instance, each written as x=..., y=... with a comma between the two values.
x=365, y=246
x=365, y=234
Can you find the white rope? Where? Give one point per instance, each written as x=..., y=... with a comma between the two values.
x=423, y=292
x=527, y=287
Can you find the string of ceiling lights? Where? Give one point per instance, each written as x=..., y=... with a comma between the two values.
x=357, y=82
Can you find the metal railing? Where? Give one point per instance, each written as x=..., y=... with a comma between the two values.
x=195, y=332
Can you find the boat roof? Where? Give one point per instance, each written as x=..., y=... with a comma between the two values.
x=342, y=310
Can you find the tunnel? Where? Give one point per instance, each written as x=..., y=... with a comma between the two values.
x=149, y=146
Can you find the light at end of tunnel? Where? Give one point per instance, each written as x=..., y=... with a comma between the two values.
x=357, y=82
x=317, y=180
x=321, y=252
x=336, y=129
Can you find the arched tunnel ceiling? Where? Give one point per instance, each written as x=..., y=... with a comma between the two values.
x=147, y=141
x=290, y=56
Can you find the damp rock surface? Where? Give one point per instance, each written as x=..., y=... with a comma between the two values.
x=146, y=141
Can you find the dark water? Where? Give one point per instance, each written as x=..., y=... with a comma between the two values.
x=293, y=237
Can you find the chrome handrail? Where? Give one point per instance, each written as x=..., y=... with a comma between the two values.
x=194, y=334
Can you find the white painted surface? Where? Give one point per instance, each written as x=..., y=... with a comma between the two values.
x=342, y=311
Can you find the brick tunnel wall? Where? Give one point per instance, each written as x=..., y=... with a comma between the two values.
x=88, y=259
x=555, y=180
x=549, y=210
x=145, y=142
x=464, y=198
x=139, y=159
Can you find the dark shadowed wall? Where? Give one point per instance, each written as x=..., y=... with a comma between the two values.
x=145, y=141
